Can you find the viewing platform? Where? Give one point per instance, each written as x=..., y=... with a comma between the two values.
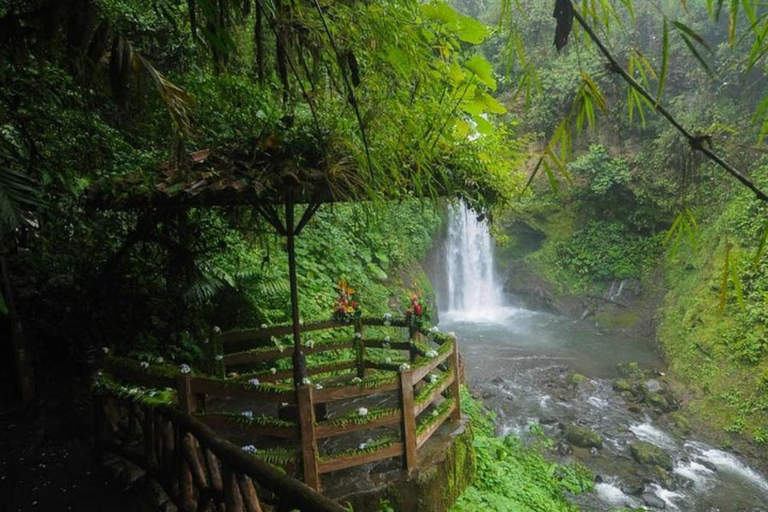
x=377, y=417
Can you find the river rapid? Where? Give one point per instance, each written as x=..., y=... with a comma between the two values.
x=522, y=364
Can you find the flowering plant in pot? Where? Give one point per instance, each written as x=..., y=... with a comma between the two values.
x=417, y=313
x=346, y=309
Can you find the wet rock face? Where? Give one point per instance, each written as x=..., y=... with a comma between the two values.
x=652, y=500
x=650, y=455
x=582, y=437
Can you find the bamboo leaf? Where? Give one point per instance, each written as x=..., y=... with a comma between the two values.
x=696, y=54
x=762, y=112
x=684, y=29
x=630, y=7
x=664, y=62
x=554, y=185
x=732, y=21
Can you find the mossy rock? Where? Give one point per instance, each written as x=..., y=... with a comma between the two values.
x=680, y=424
x=666, y=403
x=622, y=386
x=664, y=478
x=574, y=379
x=651, y=455
x=583, y=437
x=629, y=369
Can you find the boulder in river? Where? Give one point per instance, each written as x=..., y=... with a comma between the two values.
x=582, y=437
x=652, y=500
x=622, y=386
x=564, y=449
x=652, y=455
x=653, y=386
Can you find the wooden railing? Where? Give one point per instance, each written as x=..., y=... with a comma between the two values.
x=420, y=386
x=198, y=468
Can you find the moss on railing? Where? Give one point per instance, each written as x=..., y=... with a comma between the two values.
x=355, y=418
x=438, y=414
x=434, y=381
x=369, y=446
x=104, y=385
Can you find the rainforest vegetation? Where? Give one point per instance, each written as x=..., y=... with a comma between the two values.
x=396, y=108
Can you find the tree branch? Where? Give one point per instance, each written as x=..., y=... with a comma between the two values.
x=696, y=142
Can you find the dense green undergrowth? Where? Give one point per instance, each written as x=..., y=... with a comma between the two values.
x=512, y=475
x=714, y=322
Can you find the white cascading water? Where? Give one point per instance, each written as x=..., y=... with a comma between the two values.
x=473, y=292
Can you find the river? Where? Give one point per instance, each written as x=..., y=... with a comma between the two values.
x=522, y=363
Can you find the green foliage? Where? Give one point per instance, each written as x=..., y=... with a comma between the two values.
x=512, y=476
x=607, y=250
x=717, y=341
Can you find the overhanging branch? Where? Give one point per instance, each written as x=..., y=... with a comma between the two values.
x=696, y=142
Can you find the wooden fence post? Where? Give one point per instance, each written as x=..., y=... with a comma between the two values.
x=306, y=409
x=456, y=385
x=359, y=348
x=413, y=333
x=215, y=354
x=184, y=390
x=410, y=461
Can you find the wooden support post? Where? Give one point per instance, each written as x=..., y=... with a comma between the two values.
x=215, y=354
x=168, y=446
x=359, y=349
x=410, y=461
x=250, y=497
x=455, y=386
x=233, y=500
x=308, y=439
x=184, y=390
x=299, y=363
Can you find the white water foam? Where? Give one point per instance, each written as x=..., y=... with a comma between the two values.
x=650, y=434
x=671, y=498
x=609, y=490
x=725, y=461
x=596, y=401
x=701, y=476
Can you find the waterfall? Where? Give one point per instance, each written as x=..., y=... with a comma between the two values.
x=472, y=289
